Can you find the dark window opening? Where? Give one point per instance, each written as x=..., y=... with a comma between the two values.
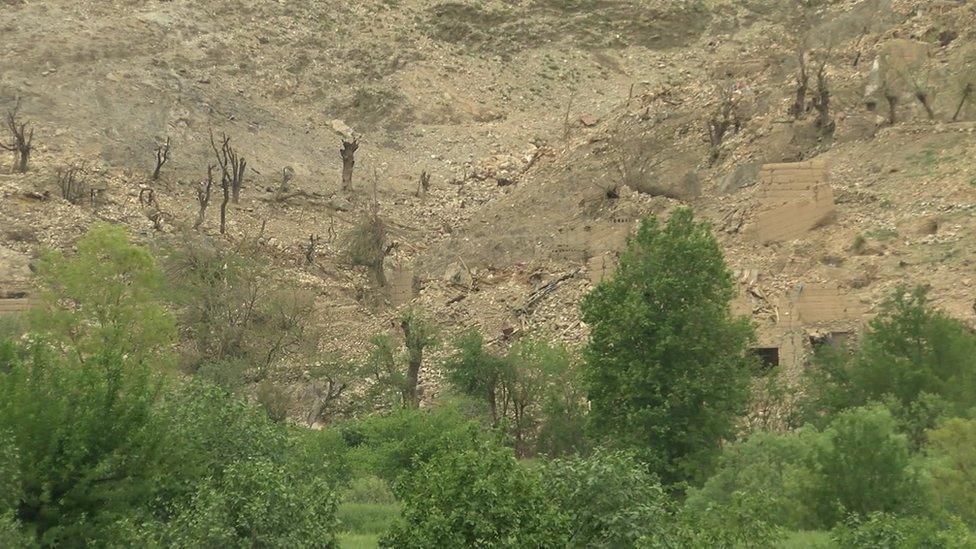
x=768, y=357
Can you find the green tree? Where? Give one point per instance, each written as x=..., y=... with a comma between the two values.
x=398, y=444
x=474, y=371
x=891, y=531
x=104, y=298
x=952, y=453
x=84, y=440
x=864, y=466
x=610, y=498
x=914, y=358
x=397, y=374
x=479, y=497
x=773, y=469
x=666, y=367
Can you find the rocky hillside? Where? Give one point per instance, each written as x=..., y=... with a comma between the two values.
x=549, y=129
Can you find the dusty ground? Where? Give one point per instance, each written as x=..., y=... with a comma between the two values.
x=526, y=113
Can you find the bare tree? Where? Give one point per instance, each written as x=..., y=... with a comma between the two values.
x=71, y=184
x=424, y=184
x=162, y=156
x=313, y=242
x=348, y=155
x=231, y=174
x=821, y=100
x=203, y=198
x=966, y=94
x=418, y=336
x=891, y=98
x=723, y=119
x=22, y=139
x=924, y=97
x=799, y=106
x=232, y=165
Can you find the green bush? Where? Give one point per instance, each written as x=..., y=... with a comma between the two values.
x=106, y=298
x=610, y=499
x=369, y=490
x=741, y=522
x=773, y=468
x=367, y=518
x=952, y=466
x=477, y=497
x=666, y=367
x=104, y=454
x=398, y=444
x=887, y=531
x=913, y=357
x=83, y=439
x=863, y=466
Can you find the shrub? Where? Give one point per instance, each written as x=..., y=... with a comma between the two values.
x=610, y=499
x=478, y=497
x=913, y=357
x=82, y=437
x=397, y=445
x=666, y=368
x=742, y=522
x=772, y=468
x=241, y=321
x=106, y=298
x=863, y=466
x=952, y=452
x=888, y=531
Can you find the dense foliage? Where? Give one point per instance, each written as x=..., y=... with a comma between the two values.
x=666, y=366
x=102, y=443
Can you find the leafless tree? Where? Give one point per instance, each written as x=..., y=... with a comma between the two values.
x=232, y=165
x=424, y=184
x=821, y=100
x=723, y=119
x=891, y=97
x=22, y=139
x=348, y=155
x=73, y=187
x=313, y=242
x=287, y=174
x=231, y=174
x=799, y=106
x=966, y=94
x=203, y=198
x=162, y=156
x=924, y=97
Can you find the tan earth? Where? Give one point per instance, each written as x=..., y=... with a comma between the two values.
x=549, y=128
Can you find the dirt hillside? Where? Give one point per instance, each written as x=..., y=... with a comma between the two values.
x=549, y=129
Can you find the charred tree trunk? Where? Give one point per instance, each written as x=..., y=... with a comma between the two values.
x=892, y=99
x=203, y=199
x=22, y=139
x=821, y=102
x=424, y=185
x=799, y=106
x=162, y=156
x=348, y=154
x=967, y=91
